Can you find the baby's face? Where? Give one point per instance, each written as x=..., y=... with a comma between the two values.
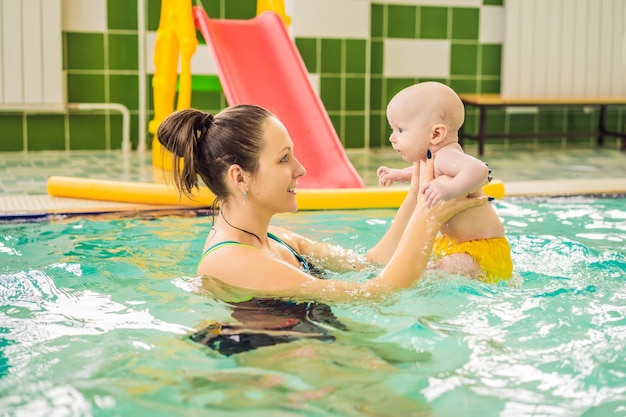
x=409, y=137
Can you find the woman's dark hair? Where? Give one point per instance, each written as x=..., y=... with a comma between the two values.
x=205, y=145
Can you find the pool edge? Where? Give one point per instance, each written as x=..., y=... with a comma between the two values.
x=25, y=207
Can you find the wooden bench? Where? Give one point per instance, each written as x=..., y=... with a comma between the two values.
x=484, y=102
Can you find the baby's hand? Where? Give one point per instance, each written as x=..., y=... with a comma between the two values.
x=437, y=190
x=387, y=176
x=383, y=176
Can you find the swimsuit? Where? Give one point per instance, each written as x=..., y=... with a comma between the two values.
x=303, y=263
x=284, y=321
x=492, y=255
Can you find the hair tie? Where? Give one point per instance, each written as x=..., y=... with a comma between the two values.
x=203, y=125
x=207, y=120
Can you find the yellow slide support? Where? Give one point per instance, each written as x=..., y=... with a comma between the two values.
x=165, y=194
x=176, y=37
x=276, y=6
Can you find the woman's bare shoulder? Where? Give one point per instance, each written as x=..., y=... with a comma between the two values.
x=227, y=261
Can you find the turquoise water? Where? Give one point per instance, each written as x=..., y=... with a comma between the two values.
x=95, y=313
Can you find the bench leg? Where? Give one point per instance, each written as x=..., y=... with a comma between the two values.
x=462, y=131
x=601, y=126
x=482, y=119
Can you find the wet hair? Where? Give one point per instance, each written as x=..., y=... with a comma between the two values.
x=205, y=146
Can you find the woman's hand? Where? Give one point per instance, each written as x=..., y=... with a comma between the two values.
x=415, y=184
x=442, y=210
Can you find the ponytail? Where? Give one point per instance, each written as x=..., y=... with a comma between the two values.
x=181, y=134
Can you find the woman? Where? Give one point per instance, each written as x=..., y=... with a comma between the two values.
x=245, y=156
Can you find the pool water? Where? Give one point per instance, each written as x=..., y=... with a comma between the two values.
x=95, y=314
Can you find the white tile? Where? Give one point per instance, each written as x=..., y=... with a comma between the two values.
x=11, y=64
x=491, y=24
x=150, y=38
x=202, y=62
x=417, y=58
x=315, y=82
x=290, y=7
x=84, y=16
x=54, y=89
x=330, y=19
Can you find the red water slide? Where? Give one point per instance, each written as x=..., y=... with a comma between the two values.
x=258, y=63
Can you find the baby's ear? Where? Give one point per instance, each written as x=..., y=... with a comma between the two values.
x=438, y=133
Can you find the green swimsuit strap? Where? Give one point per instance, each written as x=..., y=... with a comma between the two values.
x=221, y=244
x=303, y=262
x=300, y=258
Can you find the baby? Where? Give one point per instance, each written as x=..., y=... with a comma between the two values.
x=426, y=118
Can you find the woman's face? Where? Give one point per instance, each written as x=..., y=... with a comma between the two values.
x=276, y=180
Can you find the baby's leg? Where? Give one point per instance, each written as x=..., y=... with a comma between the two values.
x=459, y=264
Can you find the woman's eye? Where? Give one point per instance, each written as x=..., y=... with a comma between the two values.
x=284, y=158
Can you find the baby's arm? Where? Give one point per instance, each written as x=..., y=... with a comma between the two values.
x=462, y=175
x=387, y=176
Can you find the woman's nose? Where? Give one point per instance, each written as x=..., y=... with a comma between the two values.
x=300, y=171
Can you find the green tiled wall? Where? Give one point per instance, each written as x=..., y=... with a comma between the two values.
x=474, y=67
x=103, y=67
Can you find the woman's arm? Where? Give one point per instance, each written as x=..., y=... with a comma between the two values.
x=333, y=257
x=381, y=253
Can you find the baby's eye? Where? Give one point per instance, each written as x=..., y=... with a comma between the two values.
x=400, y=130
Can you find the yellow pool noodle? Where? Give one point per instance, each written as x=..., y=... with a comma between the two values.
x=165, y=194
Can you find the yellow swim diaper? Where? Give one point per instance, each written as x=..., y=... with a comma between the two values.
x=493, y=255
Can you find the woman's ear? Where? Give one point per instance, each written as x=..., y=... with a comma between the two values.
x=438, y=133
x=237, y=177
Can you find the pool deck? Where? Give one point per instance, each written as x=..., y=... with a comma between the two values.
x=525, y=171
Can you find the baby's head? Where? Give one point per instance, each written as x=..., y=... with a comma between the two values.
x=424, y=115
